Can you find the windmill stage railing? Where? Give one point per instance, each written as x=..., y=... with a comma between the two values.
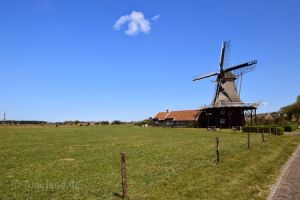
x=231, y=104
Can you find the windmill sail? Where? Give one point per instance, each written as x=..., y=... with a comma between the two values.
x=242, y=68
x=205, y=76
x=225, y=54
x=226, y=90
x=247, y=64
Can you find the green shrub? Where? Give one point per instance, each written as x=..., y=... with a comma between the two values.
x=104, y=122
x=116, y=122
x=290, y=127
x=276, y=130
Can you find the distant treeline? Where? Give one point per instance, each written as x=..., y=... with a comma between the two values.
x=114, y=122
x=92, y=123
x=23, y=122
x=77, y=122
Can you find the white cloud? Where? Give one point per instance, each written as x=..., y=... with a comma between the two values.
x=136, y=23
x=122, y=20
x=156, y=17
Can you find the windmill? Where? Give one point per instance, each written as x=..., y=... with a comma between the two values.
x=227, y=108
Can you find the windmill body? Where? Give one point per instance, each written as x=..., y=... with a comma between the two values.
x=227, y=109
x=226, y=91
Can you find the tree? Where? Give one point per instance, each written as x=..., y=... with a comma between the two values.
x=116, y=122
x=104, y=122
x=292, y=110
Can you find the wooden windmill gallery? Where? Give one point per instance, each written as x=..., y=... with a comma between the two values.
x=226, y=110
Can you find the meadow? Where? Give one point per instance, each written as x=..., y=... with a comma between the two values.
x=162, y=163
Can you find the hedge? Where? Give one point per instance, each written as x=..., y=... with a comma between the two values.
x=259, y=129
x=290, y=128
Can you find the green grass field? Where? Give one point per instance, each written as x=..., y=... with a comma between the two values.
x=162, y=163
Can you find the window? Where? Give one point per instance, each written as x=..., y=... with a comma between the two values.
x=222, y=103
x=222, y=121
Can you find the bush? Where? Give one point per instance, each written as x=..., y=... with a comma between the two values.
x=149, y=122
x=290, y=128
x=116, y=122
x=259, y=129
x=104, y=122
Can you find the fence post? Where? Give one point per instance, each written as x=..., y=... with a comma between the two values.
x=248, y=140
x=270, y=132
x=217, y=149
x=123, y=173
x=263, y=135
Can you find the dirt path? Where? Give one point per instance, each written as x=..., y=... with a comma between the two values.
x=288, y=184
x=293, y=134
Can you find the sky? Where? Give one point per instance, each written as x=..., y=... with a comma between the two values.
x=127, y=60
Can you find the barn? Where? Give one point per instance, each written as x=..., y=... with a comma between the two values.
x=182, y=118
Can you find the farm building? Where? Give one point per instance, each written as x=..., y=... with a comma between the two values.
x=221, y=117
x=183, y=118
x=227, y=110
x=227, y=115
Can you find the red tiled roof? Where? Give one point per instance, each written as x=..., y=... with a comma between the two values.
x=161, y=115
x=182, y=115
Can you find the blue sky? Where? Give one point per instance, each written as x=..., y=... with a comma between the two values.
x=65, y=60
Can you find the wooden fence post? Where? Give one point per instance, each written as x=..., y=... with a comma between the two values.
x=263, y=135
x=248, y=140
x=123, y=173
x=270, y=132
x=217, y=149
